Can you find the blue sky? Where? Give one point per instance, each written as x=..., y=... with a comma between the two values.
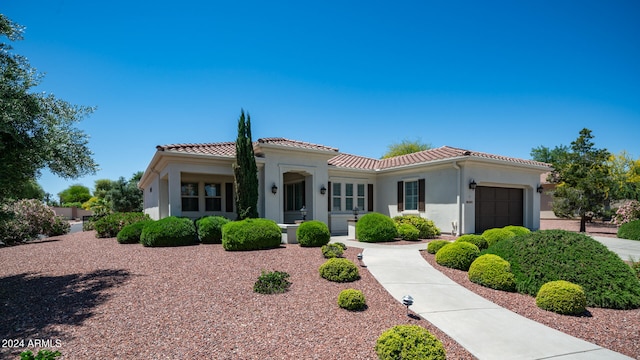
x=500, y=77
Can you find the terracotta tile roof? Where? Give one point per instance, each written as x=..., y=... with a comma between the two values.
x=441, y=153
x=295, y=144
x=218, y=149
x=228, y=149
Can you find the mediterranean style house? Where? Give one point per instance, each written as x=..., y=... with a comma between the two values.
x=462, y=191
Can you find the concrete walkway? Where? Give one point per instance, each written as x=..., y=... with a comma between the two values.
x=485, y=329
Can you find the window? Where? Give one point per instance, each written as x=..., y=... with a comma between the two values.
x=411, y=195
x=294, y=196
x=348, y=196
x=353, y=195
x=189, y=194
x=336, y=197
x=360, y=199
x=212, y=197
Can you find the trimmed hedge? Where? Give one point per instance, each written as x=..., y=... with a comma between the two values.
x=339, y=270
x=409, y=342
x=109, y=226
x=352, y=299
x=408, y=232
x=251, y=234
x=170, y=231
x=549, y=255
x=427, y=228
x=630, y=230
x=210, y=229
x=457, y=255
x=131, y=233
x=435, y=245
x=562, y=297
x=492, y=271
x=313, y=233
x=495, y=235
x=375, y=227
x=477, y=240
x=332, y=251
x=517, y=230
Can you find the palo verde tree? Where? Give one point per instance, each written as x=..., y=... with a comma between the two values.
x=36, y=129
x=245, y=171
x=582, y=175
x=405, y=147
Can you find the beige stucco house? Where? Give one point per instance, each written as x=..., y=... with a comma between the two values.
x=462, y=191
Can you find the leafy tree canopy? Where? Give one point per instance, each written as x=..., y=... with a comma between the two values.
x=549, y=156
x=36, y=129
x=626, y=176
x=76, y=193
x=405, y=147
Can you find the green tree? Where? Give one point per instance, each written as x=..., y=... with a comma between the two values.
x=583, y=180
x=30, y=189
x=245, y=171
x=549, y=156
x=626, y=176
x=405, y=147
x=124, y=195
x=76, y=193
x=36, y=129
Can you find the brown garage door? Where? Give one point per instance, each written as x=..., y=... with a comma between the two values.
x=498, y=207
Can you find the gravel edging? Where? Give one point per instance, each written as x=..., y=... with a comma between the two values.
x=617, y=330
x=96, y=298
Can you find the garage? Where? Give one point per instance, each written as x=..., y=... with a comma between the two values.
x=498, y=207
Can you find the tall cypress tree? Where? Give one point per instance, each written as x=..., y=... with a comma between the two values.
x=245, y=171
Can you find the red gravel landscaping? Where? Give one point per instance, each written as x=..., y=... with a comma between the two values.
x=98, y=299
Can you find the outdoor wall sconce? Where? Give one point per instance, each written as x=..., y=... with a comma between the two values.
x=323, y=190
x=303, y=211
x=274, y=189
x=355, y=212
x=540, y=189
x=472, y=184
x=407, y=301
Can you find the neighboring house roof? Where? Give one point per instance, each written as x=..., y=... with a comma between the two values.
x=348, y=161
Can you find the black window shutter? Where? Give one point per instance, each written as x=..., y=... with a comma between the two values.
x=329, y=194
x=369, y=197
x=400, y=196
x=228, y=193
x=421, y=190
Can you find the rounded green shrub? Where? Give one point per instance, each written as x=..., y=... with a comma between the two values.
x=457, y=255
x=131, y=233
x=170, y=231
x=549, y=255
x=339, y=270
x=630, y=230
x=59, y=226
x=313, y=233
x=352, y=299
x=435, y=245
x=110, y=225
x=427, y=228
x=342, y=245
x=332, y=251
x=562, y=297
x=210, y=229
x=517, y=230
x=408, y=232
x=494, y=235
x=251, y=234
x=477, y=240
x=409, y=342
x=375, y=227
x=492, y=271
